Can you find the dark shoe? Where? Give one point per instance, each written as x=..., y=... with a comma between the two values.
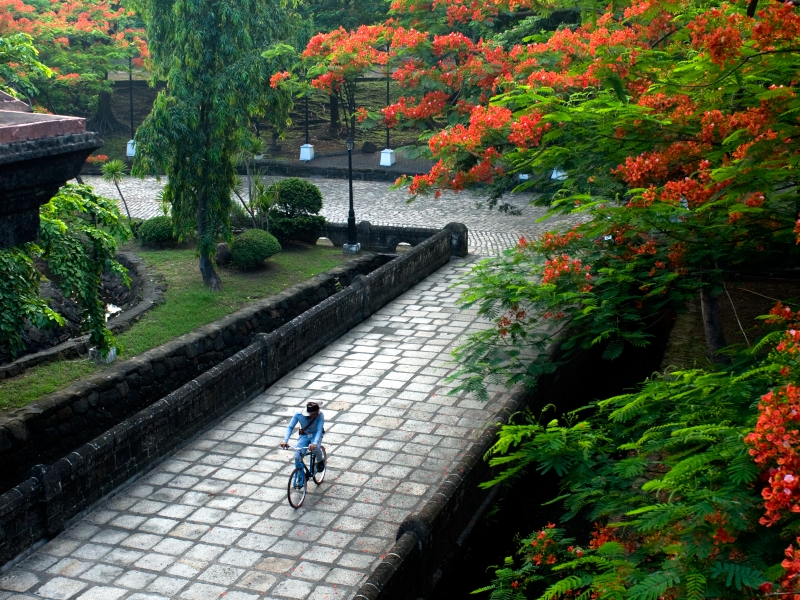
x=320, y=467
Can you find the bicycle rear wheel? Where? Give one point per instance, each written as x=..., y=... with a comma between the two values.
x=297, y=488
x=319, y=476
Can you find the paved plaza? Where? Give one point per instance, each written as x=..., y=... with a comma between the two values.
x=213, y=520
x=490, y=231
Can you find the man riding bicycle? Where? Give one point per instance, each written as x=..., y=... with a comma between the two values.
x=312, y=423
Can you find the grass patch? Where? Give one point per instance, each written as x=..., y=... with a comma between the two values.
x=189, y=305
x=42, y=380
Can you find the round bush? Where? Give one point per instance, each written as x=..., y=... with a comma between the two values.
x=156, y=231
x=297, y=197
x=253, y=247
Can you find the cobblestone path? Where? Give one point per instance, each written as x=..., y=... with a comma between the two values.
x=490, y=231
x=213, y=520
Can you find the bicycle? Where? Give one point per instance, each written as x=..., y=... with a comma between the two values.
x=298, y=480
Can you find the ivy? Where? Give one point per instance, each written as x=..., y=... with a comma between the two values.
x=79, y=231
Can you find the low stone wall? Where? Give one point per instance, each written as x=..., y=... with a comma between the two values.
x=51, y=495
x=430, y=541
x=376, y=238
x=277, y=167
x=48, y=429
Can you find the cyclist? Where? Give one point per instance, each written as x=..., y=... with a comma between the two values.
x=312, y=423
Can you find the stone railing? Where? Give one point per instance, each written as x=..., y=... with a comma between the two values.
x=59, y=423
x=381, y=238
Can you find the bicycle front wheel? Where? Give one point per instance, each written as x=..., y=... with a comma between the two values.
x=298, y=485
x=320, y=475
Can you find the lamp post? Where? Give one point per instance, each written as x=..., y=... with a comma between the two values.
x=352, y=246
x=131, y=147
x=387, y=156
x=307, y=149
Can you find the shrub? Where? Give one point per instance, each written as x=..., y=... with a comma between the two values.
x=303, y=228
x=157, y=231
x=253, y=247
x=297, y=197
x=239, y=217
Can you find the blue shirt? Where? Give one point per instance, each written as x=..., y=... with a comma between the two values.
x=313, y=428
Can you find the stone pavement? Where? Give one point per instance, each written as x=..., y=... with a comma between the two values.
x=213, y=520
x=490, y=231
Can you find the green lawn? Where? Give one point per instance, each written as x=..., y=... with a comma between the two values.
x=188, y=306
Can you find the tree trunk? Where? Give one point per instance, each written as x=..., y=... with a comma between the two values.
x=105, y=121
x=712, y=325
x=334, y=104
x=210, y=277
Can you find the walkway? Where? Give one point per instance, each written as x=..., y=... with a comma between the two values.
x=490, y=231
x=214, y=519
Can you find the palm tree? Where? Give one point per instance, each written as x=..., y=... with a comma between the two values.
x=113, y=170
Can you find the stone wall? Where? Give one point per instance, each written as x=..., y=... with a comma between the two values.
x=430, y=541
x=286, y=169
x=47, y=429
x=50, y=495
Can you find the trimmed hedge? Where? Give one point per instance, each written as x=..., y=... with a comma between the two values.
x=297, y=197
x=295, y=217
x=303, y=228
x=156, y=231
x=253, y=247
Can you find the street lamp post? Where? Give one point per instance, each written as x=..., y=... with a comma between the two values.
x=131, y=147
x=352, y=246
x=307, y=149
x=387, y=156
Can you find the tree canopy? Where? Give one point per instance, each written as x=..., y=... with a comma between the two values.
x=209, y=52
x=81, y=41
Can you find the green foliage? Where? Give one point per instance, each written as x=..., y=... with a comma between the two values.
x=253, y=247
x=294, y=216
x=19, y=63
x=79, y=232
x=239, y=217
x=19, y=297
x=114, y=171
x=666, y=478
x=328, y=15
x=78, y=241
x=297, y=197
x=209, y=53
x=157, y=231
x=302, y=228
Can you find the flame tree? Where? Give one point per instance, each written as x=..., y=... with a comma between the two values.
x=81, y=41
x=673, y=121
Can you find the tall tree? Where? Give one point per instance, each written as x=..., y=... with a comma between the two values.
x=209, y=53
x=82, y=41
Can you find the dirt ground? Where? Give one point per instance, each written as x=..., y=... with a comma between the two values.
x=371, y=94
x=745, y=300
